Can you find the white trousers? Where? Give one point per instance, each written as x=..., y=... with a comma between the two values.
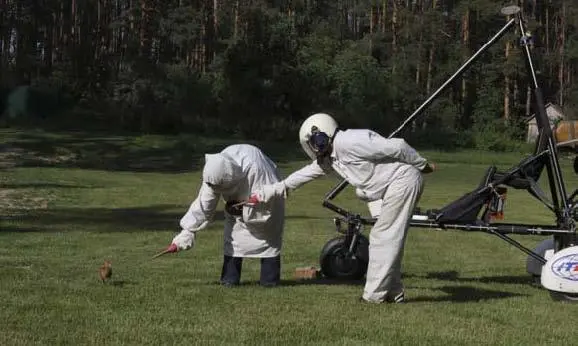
x=387, y=237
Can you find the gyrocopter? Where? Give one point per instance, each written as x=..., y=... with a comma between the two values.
x=554, y=261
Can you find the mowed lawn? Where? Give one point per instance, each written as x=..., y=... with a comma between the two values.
x=70, y=201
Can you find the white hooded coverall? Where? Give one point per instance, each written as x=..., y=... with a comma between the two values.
x=234, y=173
x=386, y=173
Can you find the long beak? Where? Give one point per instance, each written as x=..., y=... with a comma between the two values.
x=164, y=252
x=172, y=248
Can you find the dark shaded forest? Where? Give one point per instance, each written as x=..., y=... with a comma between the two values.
x=255, y=69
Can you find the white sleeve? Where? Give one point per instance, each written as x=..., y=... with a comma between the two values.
x=375, y=147
x=268, y=192
x=303, y=176
x=201, y=211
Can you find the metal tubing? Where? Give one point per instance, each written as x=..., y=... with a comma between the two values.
x=454, y=76
x=499, y=228
x=554, y=176
x=502, y=228
x=337, y=189
x=520, y=247
x=556, y=179
x=335, y=208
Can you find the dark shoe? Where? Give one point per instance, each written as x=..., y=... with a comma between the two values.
x=396, y=298
x=228, y=284
x=269, y=284
x=393, y=299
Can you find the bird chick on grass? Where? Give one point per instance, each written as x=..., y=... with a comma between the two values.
x=105, y=271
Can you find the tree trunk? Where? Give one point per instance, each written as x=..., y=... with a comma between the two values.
x=384, y=15
x=562, y=42
x=507, y=84
x=430, y=65
x=419, y=55
x=370, y=28
x=528, y=101
x=215, y=29
x=394, y=32
x=73, y=23
x=144, y=23
x=48, y=41
x=236, y=19
x=547, y=31
x=466, y=52
x=428, y=83
x=6, y=25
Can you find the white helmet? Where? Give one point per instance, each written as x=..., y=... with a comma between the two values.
x=318, y=123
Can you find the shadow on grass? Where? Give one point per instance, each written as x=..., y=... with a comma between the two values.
x=135, y=153
x=21, y=229
x=152, y=218
x=322, y=281
x=457, y=294
x=120, y=283
x=304, y=282
x=454, y=276
x=139, y=219
x=44, y=186
x=464, y=294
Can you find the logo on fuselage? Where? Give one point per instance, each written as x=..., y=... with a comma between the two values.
x=566, y=267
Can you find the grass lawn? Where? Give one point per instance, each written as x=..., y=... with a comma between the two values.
x=68, y=201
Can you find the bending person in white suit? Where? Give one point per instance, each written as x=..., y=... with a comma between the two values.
x=248, y=233
x=387, y=173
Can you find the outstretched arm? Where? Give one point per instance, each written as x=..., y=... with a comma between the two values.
x=303, y=176
x=201, y=210
x=197, y=217
x=292, y=182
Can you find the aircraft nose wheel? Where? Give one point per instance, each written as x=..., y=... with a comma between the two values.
x=564, y=297
x=337, y=263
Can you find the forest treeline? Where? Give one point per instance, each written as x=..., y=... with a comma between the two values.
x=255, y=68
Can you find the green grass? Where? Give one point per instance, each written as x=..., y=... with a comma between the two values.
x=69, y=201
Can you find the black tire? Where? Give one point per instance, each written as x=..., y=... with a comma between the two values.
x=337, y=264
x=564, y=297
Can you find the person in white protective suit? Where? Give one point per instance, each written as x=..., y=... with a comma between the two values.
x=387, y=174
x=249, y=232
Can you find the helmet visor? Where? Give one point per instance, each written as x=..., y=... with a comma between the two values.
x=319, y=142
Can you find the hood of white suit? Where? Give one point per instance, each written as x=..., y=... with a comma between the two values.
x=220, y=171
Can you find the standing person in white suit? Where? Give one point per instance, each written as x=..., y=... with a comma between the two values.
x=248, y=233
x=387, y=173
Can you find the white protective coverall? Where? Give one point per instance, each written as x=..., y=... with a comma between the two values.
x=387, y=174
x=233, y=174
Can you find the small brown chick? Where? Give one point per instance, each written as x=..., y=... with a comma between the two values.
x=105, y=271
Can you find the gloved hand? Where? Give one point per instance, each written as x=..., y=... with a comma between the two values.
x=266, y=193
x=254, y=199
x=183, y=241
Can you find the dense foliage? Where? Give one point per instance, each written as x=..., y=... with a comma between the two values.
x=256, y=68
